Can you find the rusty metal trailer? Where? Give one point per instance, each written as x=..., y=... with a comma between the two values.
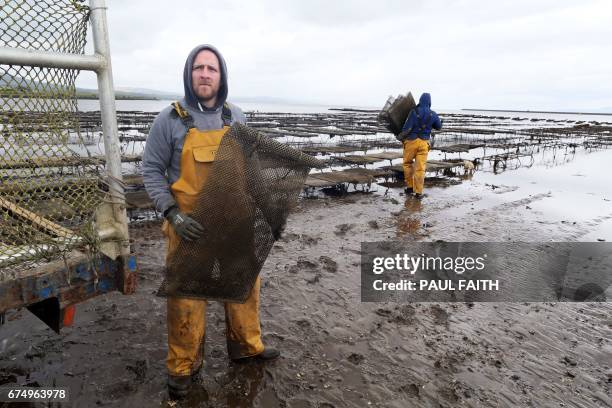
x=52, y=290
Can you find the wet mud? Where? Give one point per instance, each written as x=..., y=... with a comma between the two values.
x=338, y=351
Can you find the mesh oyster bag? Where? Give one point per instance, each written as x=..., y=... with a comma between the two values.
x=395, y=112
x=252, y=186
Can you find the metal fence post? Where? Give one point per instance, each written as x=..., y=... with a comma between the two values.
x=111, y=141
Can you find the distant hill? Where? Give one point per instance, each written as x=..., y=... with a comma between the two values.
x=155, y=94
x=263, y=99
x=8, y=83
x=601, y=111
x=129, y=93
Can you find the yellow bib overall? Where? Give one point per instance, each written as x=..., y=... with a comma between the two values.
x=187, y=317
x=415, y=163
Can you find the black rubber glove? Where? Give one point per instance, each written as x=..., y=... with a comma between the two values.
x=186, y=227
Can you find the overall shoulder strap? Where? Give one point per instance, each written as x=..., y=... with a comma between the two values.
x=185, y=117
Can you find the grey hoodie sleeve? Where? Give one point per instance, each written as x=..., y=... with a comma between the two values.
x=156, y=160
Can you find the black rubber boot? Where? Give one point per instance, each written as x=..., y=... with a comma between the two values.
x=419, y=196
x=267, y=355
x=195, y=376
x=408, y=190
x=179, y=386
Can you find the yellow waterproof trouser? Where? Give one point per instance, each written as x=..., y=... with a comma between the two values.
x=187, y=317
x=415, y=161
x=187, y=324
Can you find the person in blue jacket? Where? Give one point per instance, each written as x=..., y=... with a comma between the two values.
x=416, y=134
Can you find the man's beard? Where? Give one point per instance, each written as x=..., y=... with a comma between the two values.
x=207, y=96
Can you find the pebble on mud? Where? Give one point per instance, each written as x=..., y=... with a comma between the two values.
x=328, y=264
x=309, y=240
x=405, y=315
x=383, y=312
x=342, y=229
x=303, y=264
x=440, y=315
x=569, y=361
x=412, y=390
x=303, y=323
x=355, y=358
x=314, y=279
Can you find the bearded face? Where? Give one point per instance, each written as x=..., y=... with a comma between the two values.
x=206, y=77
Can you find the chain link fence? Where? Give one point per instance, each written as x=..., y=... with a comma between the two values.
x=49, y=187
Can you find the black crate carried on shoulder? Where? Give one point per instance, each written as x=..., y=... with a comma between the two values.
x=396, y=110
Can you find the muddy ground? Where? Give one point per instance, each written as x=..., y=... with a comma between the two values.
x=339, y=352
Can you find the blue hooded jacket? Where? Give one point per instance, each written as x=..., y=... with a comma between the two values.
x=421, y=120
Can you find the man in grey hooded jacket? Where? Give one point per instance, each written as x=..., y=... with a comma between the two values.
x=162, y=156
x=202, y=113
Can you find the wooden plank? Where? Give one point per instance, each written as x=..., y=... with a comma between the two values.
x=387, y=155
x=316, y=182
x=432, y=165
x=354, y=159
x=379, y=172
x=329, y=131
x=39, y=162
x=288, y=132
x=48, y=162
x=458, y=148
x=36, y=219
x=453, y=149
x=11, y=255
x=446, y=163
x=41, y=269
x=23, y=185
x=344, y=177
x=471, y=130
x=355, y=175
x=330, y=149
x=397, y=168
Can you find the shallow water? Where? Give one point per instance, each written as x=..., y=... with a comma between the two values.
x=574, y=190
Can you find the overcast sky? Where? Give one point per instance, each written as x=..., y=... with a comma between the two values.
x=537, y=54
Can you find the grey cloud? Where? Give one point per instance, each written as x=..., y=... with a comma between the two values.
x=477, y=53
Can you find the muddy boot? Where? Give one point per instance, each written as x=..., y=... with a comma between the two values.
x=408, y=190
x=195, y=377
x=419, y=196
x=179, y=386
x=267, y=355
